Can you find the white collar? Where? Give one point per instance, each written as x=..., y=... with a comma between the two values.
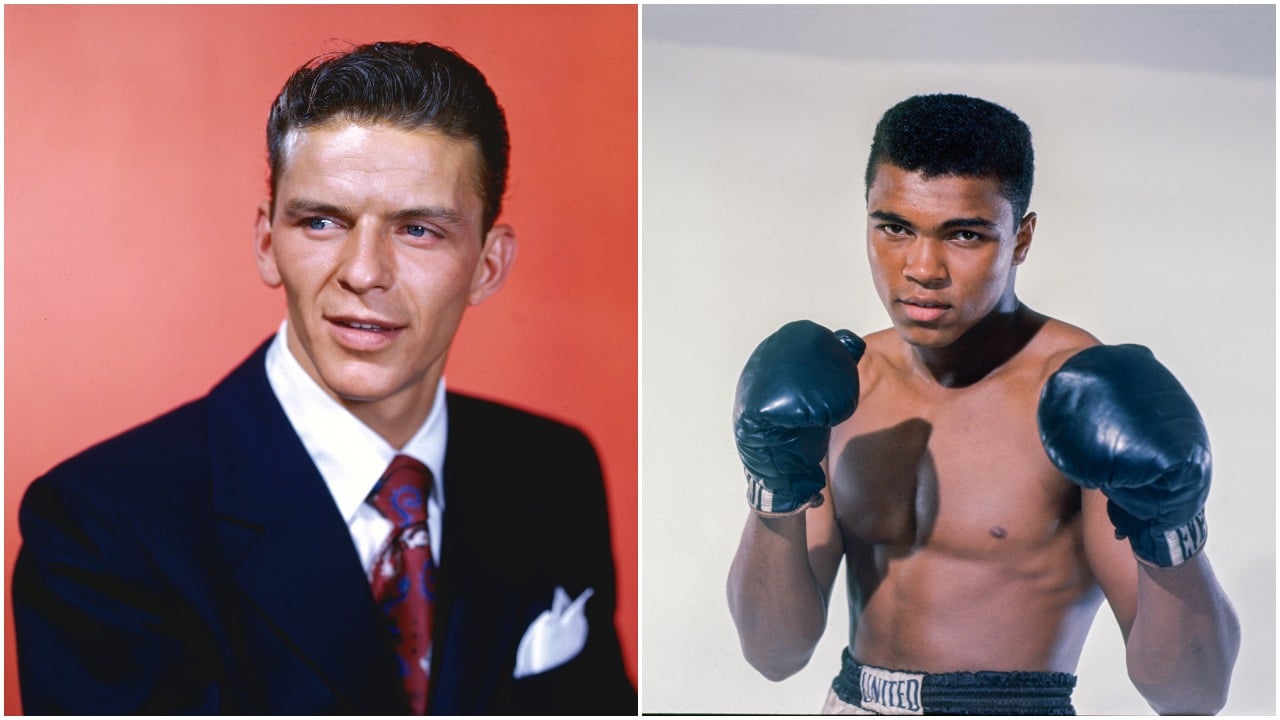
x=349, y=454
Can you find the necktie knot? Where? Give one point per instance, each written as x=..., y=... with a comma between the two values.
x=402, y=491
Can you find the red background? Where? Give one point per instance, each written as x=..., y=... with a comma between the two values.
x=135, y=158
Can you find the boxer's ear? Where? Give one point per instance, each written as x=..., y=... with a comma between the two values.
x=1022, y=241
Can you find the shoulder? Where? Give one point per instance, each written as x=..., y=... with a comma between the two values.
x=523, y=469
x=880, y=358
x=176, y=439
x=173, y=444
x=469, y=411
x=118, y=487
x=478, y=424
x=879, y=342
x=1056, y=342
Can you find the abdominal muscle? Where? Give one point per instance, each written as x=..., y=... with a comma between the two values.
x=1015, y=606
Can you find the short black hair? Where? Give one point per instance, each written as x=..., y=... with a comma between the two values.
x=949, y=134
x=407, y=85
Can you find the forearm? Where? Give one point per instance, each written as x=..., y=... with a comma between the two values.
x=1185, y=636
x=777, y=603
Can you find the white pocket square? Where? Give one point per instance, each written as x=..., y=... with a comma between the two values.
x=556, y=636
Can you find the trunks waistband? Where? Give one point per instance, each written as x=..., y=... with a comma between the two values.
x=900, y=692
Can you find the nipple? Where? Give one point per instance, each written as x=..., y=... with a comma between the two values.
x=998, y=532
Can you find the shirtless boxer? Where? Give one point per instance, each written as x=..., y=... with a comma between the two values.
x=974, y=467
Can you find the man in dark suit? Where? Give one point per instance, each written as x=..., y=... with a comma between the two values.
x=330, y=530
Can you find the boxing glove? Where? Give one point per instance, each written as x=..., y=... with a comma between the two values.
x=797, y=384
x=1114, y=418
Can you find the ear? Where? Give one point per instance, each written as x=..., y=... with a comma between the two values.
x=496, y=258
x=1022, y=242
x=263, y=251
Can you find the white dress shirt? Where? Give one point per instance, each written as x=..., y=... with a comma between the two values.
x=351, y=457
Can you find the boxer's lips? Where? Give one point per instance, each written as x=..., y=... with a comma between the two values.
x=923, y=310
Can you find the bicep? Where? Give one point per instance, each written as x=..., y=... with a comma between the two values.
x=1110, y=559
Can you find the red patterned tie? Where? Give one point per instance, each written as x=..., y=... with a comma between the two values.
x=404, y=573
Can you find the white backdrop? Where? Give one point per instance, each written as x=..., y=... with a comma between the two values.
x=1154, y=130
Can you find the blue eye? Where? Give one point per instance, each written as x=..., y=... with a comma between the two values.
x=416, y=230
x=319, y=223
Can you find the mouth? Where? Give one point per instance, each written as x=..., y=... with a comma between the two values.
x=924, y=310
x=363, y=334
x=371, y=327
x=367, y=324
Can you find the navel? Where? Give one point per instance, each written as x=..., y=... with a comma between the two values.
x=998, y=532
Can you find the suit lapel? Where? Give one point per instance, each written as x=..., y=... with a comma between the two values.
x=482, y=606
x=464, y=669
x=287, y=546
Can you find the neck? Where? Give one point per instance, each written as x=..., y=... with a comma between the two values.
x=395, y=422
x=395, y=417
x=983, y=348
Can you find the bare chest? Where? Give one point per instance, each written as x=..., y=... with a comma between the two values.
x=961, y=472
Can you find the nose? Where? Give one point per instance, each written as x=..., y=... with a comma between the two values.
x=926, y=264
x=367, y=262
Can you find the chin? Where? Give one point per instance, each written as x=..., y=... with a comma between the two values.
x=360, y=394
x=353, y=384
x=924, y=338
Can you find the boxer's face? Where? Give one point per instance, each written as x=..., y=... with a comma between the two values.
x=943, y=251
x=376, y=237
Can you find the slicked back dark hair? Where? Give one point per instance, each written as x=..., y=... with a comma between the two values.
x=939, y=135
x=405, y=85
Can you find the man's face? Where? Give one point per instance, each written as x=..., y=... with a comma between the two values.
x=376, y=236
x=942, y=250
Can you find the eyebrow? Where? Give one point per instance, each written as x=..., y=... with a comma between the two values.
x=429, y=212
x=951, y=224
x=303, y=206
x=887, y=216
x=298, y=206
x=966, y=222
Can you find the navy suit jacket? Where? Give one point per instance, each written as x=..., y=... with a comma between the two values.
x=198, y=563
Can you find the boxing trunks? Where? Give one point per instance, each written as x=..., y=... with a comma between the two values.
x=867, y=690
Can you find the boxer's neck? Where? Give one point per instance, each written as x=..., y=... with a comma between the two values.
x=983, y=348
